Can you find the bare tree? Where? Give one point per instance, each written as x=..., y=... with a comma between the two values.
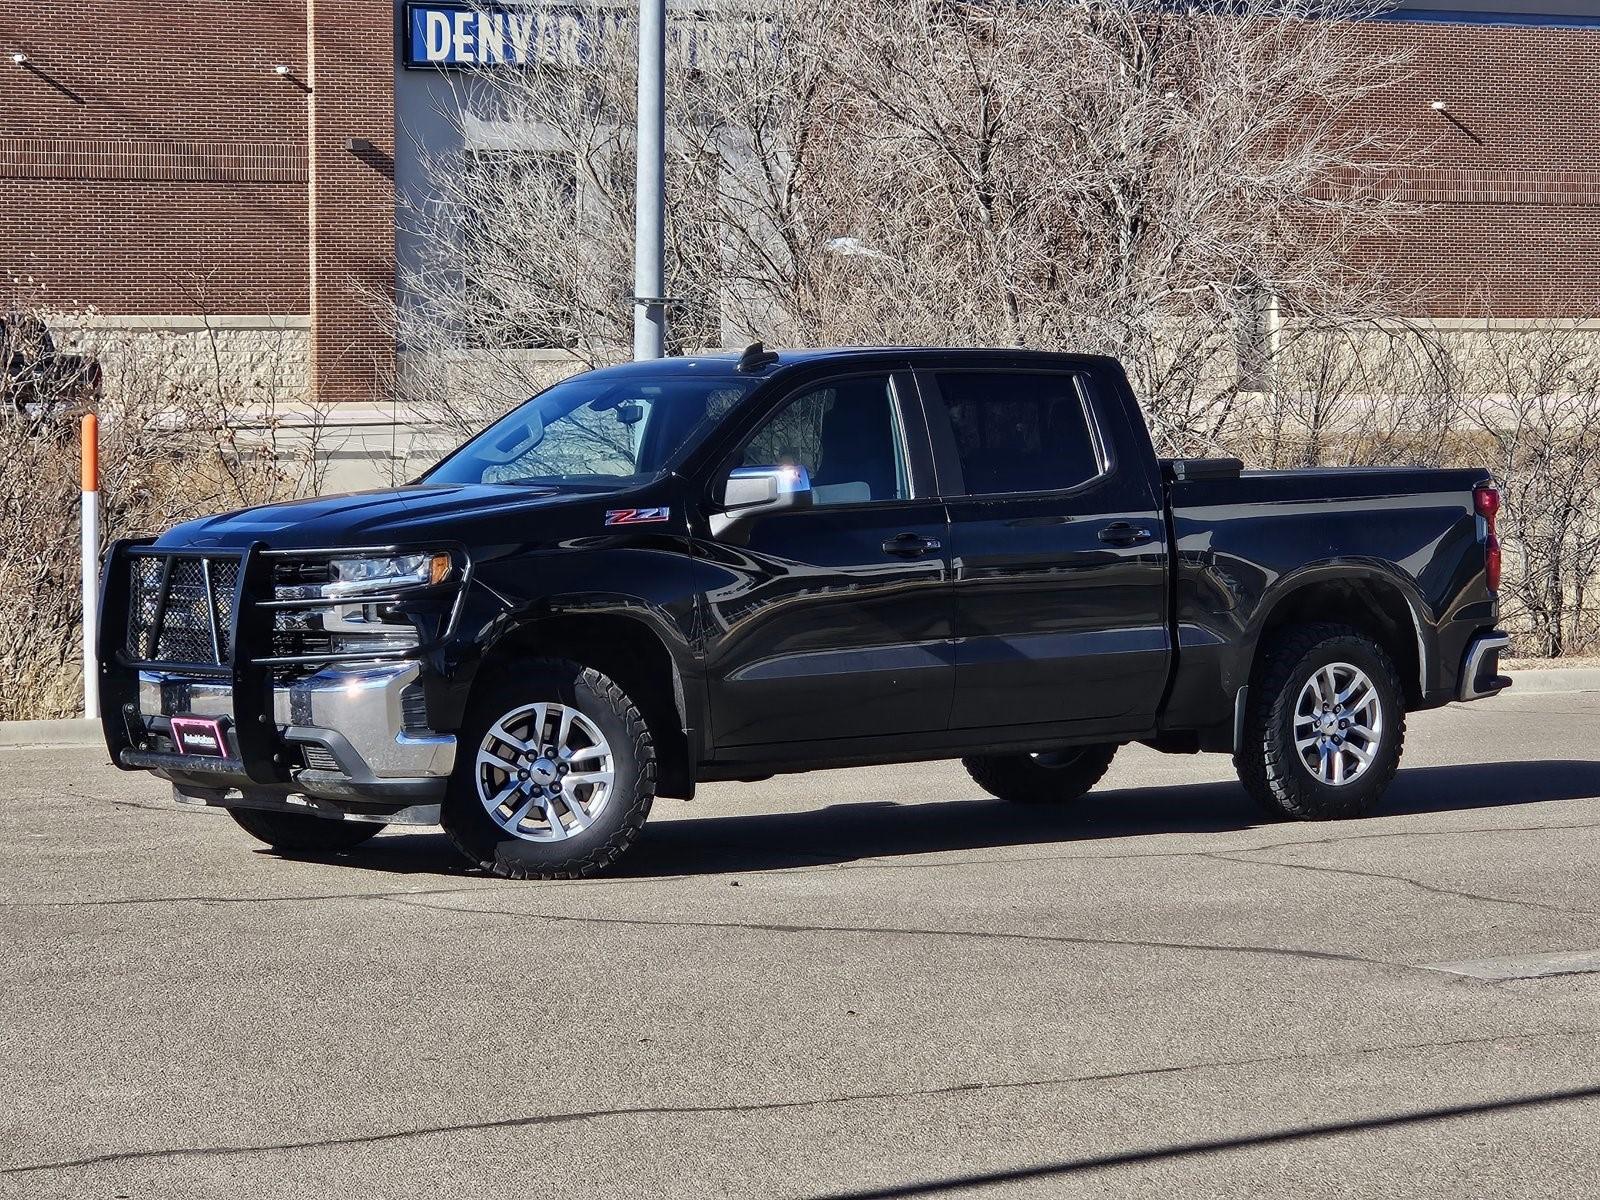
x=1536, y=403
x=1127, y=178
x=1117, y=177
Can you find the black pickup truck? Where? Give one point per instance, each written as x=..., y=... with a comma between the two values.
x=722, y=568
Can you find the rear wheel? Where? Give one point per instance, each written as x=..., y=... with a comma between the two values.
x=1325, y=724
x=1055, y=777
x=555, y=774
x=302, y=833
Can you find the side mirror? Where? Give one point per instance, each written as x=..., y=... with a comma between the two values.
x=752, y=490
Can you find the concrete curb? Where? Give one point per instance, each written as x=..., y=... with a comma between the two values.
x=1540, y=680
x=76, y=732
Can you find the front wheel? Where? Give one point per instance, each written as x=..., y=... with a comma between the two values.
x=303, y=833
x=1056, y=777
x=1325, y=724
x=555, y=774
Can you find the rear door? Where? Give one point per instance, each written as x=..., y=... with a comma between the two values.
x=1058, y=551
x=834, y=621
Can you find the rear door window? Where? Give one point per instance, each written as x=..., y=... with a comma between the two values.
x=1017, y=432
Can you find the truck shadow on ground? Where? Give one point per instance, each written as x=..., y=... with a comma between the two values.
x=840, y=833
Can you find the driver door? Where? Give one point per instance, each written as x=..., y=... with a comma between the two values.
x=832, y=621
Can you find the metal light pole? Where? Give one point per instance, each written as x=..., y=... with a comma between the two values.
x=649, y=248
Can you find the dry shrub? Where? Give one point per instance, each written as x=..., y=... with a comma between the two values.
x=1123, y=178
x=1535, y=400
x=1522, y=401
x=177, y=442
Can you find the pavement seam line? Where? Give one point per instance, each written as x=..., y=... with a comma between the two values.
x=1233, y=856
x=1244, y=1141
x=782, y=1105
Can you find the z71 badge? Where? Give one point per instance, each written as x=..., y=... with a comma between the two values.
x=638, y=516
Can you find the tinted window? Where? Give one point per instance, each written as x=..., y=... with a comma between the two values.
x=847, y=437
x=1017, y=432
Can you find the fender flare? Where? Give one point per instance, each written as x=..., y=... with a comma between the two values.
x=1341, y=570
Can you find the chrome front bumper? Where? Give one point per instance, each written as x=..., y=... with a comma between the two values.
x=360, y=731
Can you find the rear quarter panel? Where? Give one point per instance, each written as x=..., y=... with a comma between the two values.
x=1243, y=547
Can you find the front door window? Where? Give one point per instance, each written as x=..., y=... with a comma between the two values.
x=847, y=436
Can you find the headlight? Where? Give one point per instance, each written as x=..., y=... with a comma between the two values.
x=355, y=576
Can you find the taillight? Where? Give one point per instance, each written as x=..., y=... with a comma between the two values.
x=1486, y=500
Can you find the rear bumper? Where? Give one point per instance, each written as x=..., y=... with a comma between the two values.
x=1480, y=668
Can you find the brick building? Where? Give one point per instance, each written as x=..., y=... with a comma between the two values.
x=235, y=166
x=1512, y=185
x=157, y=166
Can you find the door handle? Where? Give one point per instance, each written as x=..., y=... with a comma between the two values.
x=911, y=545
x=1121, y=533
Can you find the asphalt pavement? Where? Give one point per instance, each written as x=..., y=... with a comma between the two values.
x=869, y=982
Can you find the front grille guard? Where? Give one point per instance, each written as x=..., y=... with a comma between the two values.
x=238, y=617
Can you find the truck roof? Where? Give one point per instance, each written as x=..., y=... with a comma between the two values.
x=776, y=361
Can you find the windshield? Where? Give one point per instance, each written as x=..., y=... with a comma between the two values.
x=598, y=431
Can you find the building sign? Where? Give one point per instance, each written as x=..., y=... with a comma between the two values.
x=525, y=35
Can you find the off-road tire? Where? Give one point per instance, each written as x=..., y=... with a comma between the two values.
x=594, y=849
x=303, y=833
x=1268, y=765
x=1031, y=779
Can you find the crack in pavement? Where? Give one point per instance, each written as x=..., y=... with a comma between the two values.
x=1405, y=833
x=1233, y=856
x=563, y=1118
x=867, y=862
x=903, y=931
x=416, y=899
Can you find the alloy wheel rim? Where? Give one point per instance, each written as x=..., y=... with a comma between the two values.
x=1338, y=724
x=544, y=772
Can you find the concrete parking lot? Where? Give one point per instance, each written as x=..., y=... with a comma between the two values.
x=869, y=982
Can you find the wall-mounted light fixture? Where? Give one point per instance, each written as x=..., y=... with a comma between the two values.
x=27, y=64
x=286, y=73
x=1443, y=109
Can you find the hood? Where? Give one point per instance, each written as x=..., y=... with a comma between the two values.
x=389, y=516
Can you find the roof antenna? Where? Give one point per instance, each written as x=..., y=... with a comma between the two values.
x=756, y=357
